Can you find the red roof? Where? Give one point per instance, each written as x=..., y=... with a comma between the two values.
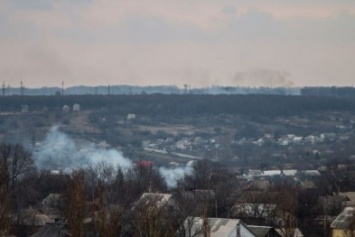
x=146, y=163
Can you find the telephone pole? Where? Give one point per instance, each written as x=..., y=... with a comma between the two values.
x=22, y=89
x=3, y=89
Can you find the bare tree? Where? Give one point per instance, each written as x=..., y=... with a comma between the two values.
x=16, y=163
x=287, y=203
x=208, y=175
x=108, y=218
x=5, y=221
x=152, y=217
x=142, y=179
x=75, y=208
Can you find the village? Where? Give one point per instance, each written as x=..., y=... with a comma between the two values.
x=209, y=201
x=102, y=172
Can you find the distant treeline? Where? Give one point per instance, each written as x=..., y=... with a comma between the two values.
x=134, y=90
x=174, y=90
x=329, y=91
x=183, y=105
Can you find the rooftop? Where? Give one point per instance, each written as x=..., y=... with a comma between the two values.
x=345, y=219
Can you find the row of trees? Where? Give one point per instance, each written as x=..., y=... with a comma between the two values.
x=185, y=105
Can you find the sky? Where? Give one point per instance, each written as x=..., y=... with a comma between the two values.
x=198, y=43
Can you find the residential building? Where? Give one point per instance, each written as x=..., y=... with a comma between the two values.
x=344, y=223
x=215, y=227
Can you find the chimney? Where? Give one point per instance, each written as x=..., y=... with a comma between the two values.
x=238, y=230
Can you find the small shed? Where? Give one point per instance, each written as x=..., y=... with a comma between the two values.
x=131, y=116
x=66, y=109
x=25, y=108
x=76, y=107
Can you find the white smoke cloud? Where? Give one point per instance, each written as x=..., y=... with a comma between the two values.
x=171, y=175
x=59, y=151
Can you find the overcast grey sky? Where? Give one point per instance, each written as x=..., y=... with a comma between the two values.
x=177, y=42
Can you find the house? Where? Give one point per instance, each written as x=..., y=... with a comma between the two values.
x=158, y=201
x=215, y=227
x=76, y=107
x=350, y=196
x=310, y=172
x=131, y=116
x=290, y=232
x=51, y=205
x=271, y=173
x=263, y=231
x=31, y=219
x=25, y=108
x=333, y=204
x=155, y=212
x=289, y=172
x=66, y=109
x=197, y=201
x=52, y=230
x=199, y=195
x=262, y=185
x=256, y=213
x=308, y=184
x=52, y=199
x=252, y=174
x=344, y=223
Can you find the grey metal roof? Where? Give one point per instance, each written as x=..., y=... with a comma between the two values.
x=52, y=230
x=344, y=219
x=154, y=199
x=260, y=231
x=286, y=232
x=219, y=227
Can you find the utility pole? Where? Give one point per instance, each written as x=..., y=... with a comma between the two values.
x=22, y=89
x=3, y=89
x=62, y=87
x=108, y=89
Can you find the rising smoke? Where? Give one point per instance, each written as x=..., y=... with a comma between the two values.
x=263, y=78
x=172, y=175
x=60, y=152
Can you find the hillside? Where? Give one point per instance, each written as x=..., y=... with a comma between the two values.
x=243, y=130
